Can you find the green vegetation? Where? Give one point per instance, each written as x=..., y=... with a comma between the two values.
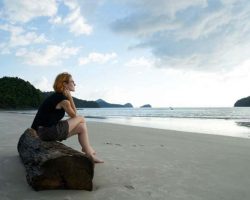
x=244, y=102
x=18, y=94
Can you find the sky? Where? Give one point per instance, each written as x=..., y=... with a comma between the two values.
x=185, y=53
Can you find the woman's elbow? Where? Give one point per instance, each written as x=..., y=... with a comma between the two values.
x=81, y=118
x=71, y=114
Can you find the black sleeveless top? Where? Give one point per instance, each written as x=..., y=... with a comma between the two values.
x=47, y=114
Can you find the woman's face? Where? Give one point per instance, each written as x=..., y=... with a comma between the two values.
x=70, y=85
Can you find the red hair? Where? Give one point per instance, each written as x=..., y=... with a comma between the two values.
x=60, y=79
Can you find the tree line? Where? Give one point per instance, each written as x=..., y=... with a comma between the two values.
x=17, y=93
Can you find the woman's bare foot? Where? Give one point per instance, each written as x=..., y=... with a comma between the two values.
x=92, y=156
x=93, y=152
x=96, y=160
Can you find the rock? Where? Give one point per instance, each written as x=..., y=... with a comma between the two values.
x=53, y=165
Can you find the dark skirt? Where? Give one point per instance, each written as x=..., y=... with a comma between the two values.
x=59, y=132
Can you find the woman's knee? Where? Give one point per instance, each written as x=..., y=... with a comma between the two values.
x=82, y=127
x=75, y=122
x=79, y=129
x=81, y=119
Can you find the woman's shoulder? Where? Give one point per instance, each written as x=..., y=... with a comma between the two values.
x=60, y=95
x=55, y=96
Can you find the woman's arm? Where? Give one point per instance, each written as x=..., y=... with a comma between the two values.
x=72, y=103
x=66, y=105
x=69, y=105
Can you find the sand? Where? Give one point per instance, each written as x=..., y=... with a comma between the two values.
x=140, y=163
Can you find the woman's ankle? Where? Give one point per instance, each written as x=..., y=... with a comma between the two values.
x=96, y=160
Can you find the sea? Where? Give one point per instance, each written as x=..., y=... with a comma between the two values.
x=227, y=121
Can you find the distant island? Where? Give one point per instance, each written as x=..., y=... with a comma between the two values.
x=244, y=102
x=17, y=93
x=146, y=106
x=104, y=104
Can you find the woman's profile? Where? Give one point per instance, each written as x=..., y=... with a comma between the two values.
x=48, y=121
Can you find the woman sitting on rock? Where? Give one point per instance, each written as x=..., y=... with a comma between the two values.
x=48, y=121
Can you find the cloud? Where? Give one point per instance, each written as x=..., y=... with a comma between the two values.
x=167, y=8
x=224, y=57
x=196, y=35
x=140, y=62
x=56, y=20
x=97, y=58
x=209, y=23
x=43, y=84
x=134, y=25
x=20, y=37
x=26, y=10
x=77, y=23
x=4, y=50
x=72, y=4
x=150, y=16
x=53, y=55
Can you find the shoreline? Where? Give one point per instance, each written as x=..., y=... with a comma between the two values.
x=190, y=125
x=225, y=127
x=140, y=163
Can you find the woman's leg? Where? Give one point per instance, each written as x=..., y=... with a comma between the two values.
x=77, y=125
x=81, y=130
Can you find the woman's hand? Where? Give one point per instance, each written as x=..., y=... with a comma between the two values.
x=67, y=93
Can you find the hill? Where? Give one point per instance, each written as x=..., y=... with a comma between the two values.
x=79, y=103
x=146, y=106
x=18, y=94
x=244, y=102
x=104, y=104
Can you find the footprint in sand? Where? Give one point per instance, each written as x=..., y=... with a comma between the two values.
x=130, y=187
x=109, y=143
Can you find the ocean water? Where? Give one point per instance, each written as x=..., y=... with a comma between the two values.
x=231, y=121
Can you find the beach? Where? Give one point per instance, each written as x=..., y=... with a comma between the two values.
x=140, y=163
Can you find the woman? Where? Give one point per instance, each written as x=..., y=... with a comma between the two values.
x=48, y=123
